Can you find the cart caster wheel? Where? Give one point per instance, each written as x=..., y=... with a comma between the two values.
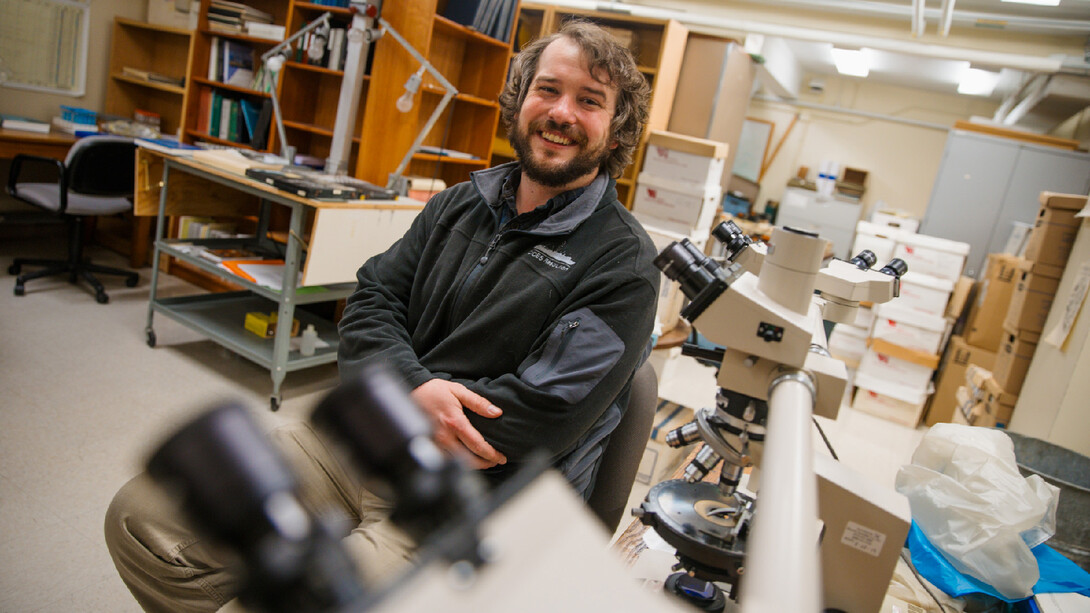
x=132, y=281
x=274, y=403
x=151, y=338
x=14, y=269
x=19, y=289
x=101, y=297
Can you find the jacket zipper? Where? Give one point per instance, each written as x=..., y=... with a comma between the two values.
x=477, y=268
x=565, y=339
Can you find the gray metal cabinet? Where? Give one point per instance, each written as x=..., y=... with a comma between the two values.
x=986, y=183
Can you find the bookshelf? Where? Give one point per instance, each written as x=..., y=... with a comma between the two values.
x=658, y=45
x=149, y=48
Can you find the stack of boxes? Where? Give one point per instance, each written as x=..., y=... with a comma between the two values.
x=900, y=349
x=678, y=196
x=1007, y=319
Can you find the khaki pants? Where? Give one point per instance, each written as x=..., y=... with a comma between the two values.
x=169, y=568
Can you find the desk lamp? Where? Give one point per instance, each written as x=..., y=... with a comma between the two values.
x=365, y=14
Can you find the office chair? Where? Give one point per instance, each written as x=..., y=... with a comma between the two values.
x=622, y=455
x=96, y=178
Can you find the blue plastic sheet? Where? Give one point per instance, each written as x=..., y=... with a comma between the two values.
x=1058, y=574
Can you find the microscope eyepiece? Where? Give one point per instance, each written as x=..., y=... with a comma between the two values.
x=732, y=237
x=684, y=263
x=865, y=259
x=895, y=268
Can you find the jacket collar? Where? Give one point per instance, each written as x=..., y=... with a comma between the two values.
x=489, y=182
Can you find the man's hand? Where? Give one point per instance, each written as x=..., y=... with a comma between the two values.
x=446, y=401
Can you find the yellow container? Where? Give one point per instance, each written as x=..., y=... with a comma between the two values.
x=264, y=324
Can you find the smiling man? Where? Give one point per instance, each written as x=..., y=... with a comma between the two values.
x=517, y=308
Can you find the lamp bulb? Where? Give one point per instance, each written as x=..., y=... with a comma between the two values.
x=275, y=63
x=405, y=102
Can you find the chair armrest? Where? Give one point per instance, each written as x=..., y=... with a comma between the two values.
x=16, y=167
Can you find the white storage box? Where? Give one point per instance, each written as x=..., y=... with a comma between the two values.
x=889, y=400
x=884, y=367
x=674, y=206
x=930, y=255
x=924, y=293
x=898, y=220
x=909, y=328
x=848, y=344
x=878, y=238
x=682, y=158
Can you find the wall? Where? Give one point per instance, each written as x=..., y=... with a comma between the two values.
x=902, y=159
x=38, y=105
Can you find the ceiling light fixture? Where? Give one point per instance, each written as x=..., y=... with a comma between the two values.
x=977, y=82
x=853, y=63
x=1037, y=2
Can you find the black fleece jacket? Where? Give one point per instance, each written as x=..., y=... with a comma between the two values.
x=547, y=316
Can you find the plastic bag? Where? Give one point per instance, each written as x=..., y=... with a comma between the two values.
x=971, y=502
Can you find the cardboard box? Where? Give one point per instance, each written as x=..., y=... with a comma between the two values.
x=659, y=459
x=924, y=293
x=1055, y=228
x=931, y=255
x=959, y=298
x=888, y=400
x=174, y=13
x=1034, y=290
x=685, y=159
x=909, y=328
x=951, y=375
x=1013, y=359
x=673, y=206
x=984, y=327
x=984, y=402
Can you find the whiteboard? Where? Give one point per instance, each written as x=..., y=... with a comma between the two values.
x=752, y=145
x=43, y=45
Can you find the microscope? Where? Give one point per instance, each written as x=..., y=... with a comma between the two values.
x=817, y=536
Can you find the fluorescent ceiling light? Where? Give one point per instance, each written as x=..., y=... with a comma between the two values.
x=853, y=63
x=976, y=82
x=1037, y=2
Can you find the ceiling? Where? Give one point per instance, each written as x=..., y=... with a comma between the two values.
x=1028, y=99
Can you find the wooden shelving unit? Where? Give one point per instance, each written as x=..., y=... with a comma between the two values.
x=659, y=47
x=149, y=47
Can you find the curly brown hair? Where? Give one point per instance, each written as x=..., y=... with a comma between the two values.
x=604, y=55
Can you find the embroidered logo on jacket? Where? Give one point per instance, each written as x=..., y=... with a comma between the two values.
x=552, y=258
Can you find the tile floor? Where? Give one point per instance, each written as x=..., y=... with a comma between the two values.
x=83, y=400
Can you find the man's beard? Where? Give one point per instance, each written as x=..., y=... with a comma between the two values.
x=584, y=162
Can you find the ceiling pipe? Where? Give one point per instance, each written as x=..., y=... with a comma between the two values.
x=919, y=24
x=947, y=17
x=723, y=25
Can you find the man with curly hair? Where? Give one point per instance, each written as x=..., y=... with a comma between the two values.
x=516, y=308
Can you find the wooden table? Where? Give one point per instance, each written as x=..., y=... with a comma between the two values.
x=52, y=144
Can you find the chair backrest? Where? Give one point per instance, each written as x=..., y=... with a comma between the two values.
x=622, y=455
x=101, y=166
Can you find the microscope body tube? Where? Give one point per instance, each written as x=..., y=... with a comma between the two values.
x=783, y=565
x=790, y=268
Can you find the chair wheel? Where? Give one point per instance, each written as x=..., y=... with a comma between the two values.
x=14, y=269
x=19, y=289
x=151, y=337
x=101, y=297
x=274, y=403
x=131, y=281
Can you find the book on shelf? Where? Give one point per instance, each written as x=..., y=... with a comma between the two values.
x=214, y=59
x=25, y=124
x=238, y=63
x=227, y=254
x=245, y=11
x=267, y=31
x=167, y=145
x=151, y=76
